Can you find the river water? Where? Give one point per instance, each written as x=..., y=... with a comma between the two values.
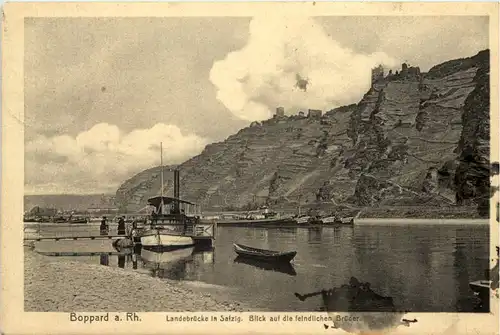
x=423, y=267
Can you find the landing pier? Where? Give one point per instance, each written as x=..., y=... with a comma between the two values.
x=202, y=233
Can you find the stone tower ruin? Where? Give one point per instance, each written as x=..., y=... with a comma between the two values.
x=377, y=74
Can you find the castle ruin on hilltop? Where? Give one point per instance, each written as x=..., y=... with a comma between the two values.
x=407, y=72
x=311, y=113
x=377, y=76
x=314, y=113
x=280, y=112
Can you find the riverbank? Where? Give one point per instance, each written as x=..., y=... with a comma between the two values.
x=33, y=229
x=380, y=212
x=405, y=221
x=421, y=212
x=52, y=285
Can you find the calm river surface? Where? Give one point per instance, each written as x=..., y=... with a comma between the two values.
x=424, y=267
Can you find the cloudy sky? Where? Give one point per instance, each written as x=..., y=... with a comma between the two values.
x=101, y=93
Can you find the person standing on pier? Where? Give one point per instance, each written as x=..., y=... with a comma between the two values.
x=121, y=226
x=104, y=226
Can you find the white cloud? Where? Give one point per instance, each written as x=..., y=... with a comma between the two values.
x=254, y=80
x=101, y=158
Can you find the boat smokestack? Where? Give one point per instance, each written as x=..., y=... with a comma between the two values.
x=176, y=184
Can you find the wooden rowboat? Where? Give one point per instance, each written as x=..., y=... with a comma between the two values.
x=263, y=255
x=481, y=289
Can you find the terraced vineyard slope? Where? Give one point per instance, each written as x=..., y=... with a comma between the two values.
x=414, y=139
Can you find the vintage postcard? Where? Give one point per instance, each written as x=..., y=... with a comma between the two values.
x=234, y=168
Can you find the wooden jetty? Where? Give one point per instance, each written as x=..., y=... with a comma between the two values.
x=73, y=254
x=200, y=240
x=75, y=238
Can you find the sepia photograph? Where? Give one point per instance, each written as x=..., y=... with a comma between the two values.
x=337, y=164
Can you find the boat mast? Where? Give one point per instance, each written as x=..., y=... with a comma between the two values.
x=300, y=198
x=161, y=173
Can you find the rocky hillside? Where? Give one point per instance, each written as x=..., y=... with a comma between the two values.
x=413, y=139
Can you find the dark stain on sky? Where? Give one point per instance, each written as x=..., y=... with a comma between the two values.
x=357, y=297
x=301, y=83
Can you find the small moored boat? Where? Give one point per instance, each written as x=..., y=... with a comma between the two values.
x=484, y=288
x=347, y=220
x=337, y=220
x=303, y=219
x=263, y=254
x=77, y=220
x=481, y=289
x=278, y=222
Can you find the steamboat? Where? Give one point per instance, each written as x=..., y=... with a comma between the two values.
x=174, y=223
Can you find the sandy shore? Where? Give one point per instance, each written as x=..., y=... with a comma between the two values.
x=70, y=286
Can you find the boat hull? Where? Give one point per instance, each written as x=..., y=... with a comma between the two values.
x=163, y=239
x=481, y=289
x=337, y=221
x=258, y=222
x=264, y=255
x=302, y=221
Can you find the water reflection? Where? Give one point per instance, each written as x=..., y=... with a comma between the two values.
x=104, y=259
x=423, y=267
x=315, y=234
x=121, y=261
x=336, y=235
x=285, y=268
x=134, y=261
x=171, y=264
x=288, y=231
x=177, y=264
x=206, y=256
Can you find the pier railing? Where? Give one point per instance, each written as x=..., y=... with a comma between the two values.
x=44, y=231
x=202, y=230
